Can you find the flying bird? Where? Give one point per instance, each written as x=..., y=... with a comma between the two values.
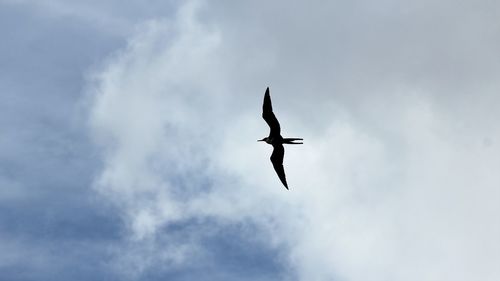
x=275, y=139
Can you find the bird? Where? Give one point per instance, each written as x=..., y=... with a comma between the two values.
x=275, y=139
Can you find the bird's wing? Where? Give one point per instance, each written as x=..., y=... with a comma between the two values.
x=268, y=115
x=277, y=160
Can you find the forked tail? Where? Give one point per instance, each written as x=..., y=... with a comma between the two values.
x=291, y=141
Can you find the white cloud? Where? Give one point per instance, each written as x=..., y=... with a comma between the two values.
x=397, y=177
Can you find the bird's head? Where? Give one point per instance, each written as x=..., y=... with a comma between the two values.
x=265, y=139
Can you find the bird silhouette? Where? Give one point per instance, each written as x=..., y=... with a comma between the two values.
x=275, y=139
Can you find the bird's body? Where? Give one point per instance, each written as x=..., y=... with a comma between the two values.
x=275, y=139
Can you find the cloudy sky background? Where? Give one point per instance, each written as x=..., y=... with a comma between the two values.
x=128, y=140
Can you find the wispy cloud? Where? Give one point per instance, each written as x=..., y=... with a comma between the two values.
x=393, y=182
x=158, y=110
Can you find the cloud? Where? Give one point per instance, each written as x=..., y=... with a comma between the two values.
x=51, y=224
x=396, y=179
x=157, y=112
x=108, y=17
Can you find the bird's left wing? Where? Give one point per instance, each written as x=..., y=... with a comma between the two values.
x=277, y=160
x=268, y=115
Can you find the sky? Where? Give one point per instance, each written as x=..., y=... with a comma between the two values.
x=128, y=140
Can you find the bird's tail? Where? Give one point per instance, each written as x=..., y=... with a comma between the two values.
x=291, y=141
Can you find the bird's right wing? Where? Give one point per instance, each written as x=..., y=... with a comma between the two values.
x=268, y=115
x=277, y=160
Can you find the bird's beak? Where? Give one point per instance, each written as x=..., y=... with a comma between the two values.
x=261, y=140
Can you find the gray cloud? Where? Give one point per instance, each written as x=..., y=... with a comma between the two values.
x=110, y=17
x=52, y=226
